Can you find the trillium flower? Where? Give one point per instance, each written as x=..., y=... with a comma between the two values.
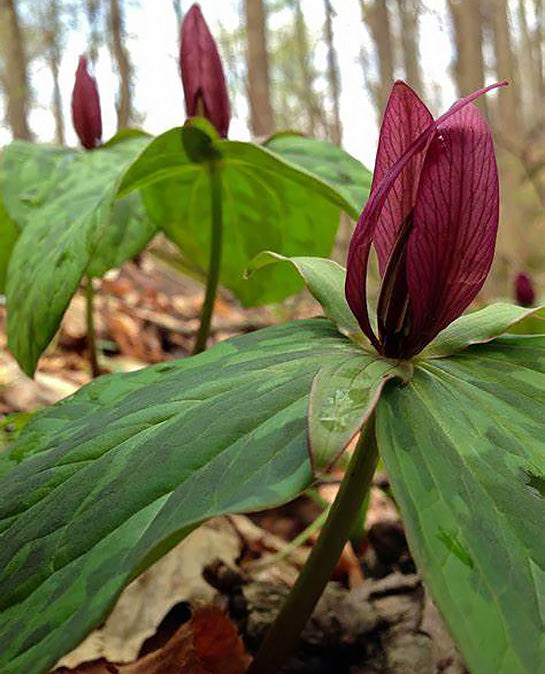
x=202, y=73
x=524, y=290
x=86, y=114
x=432, y=217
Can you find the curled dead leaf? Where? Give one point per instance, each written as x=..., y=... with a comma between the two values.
x=208, y=644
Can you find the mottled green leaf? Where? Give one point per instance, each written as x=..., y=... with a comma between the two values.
x=267, y=203
x=342, y=397
x=332, y=164
x=32, y=171
x=325, y=280
x=102, y=484
x=8, y=237
x=478, y=327
x=71, y=227
x=464, y=446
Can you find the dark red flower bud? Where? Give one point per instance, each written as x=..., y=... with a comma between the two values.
x=86, y=115
x=432, y=217
x=205, y=89
x=524, y=290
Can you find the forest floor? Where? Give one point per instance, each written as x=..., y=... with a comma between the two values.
x=204, y=608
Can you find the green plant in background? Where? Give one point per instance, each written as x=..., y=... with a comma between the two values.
x=104, y=483
x=253, y=196
x=82, y=213
x=72, y=228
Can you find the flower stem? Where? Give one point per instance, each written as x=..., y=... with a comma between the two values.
x=215, y=258
x=283, y=636
x=91, y=341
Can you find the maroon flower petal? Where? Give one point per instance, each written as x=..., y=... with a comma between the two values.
x=451, y=246
x=203, y=80
x=364, y=233
x=86, y=115
x=405, y=118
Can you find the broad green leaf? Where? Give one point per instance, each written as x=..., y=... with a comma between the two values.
x=464, y=447
x=478, y=327
x=126, y=134
x=342, y=397
x=31, y=172
x=267, y=203
x=72, y=228
x=102, y=484
x=338, y=168
x=8, y=237
x=11, y=426
x=325, y=280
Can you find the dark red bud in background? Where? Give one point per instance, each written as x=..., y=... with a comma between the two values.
x=86, y=115
x=205, y=89
x=524, y=290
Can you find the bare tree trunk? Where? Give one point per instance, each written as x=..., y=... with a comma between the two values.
x=538, y=64
x=261, y=113
x=92, y=9
x=509, y=121
x=52, y=33
x=177, y=7
x=315, y=114
x=124, y=68
x=408, y=11
x=469, y=65
x=15, y=75
x=333, y=74
x=527, y=84
x=376, y=14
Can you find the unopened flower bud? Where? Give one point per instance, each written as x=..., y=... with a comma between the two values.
x=86, y=114
x=204, y=84
x=524, y=290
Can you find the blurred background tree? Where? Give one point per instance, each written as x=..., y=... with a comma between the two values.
x=323, y=69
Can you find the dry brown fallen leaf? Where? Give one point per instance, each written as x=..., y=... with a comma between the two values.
x=208, y=644
x=175, y=578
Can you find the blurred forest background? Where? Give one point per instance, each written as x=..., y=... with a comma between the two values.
x=322, y=67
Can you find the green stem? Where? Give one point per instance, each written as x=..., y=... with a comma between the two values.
x=91, y=341
x=215, y=258
x=283, y=636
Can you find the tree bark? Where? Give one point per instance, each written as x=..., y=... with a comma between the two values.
x=177, y=7
x=377, y=16
x=124, y=67
x=333, y=74
x=91, y=9
x=52, y=35
x=469, y=65
x=15, y=75
x=261, y=113
x=509, y=121
x=408, y=11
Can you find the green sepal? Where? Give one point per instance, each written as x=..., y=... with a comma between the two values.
x=478, y=327
x=325, y=280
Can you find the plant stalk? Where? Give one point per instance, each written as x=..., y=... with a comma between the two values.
x=91, y=340
x=283, y=636
x=215, y=258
